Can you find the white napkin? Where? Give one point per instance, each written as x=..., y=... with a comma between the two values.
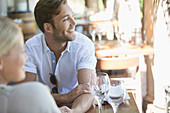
x=127, y=96
x=116, y=91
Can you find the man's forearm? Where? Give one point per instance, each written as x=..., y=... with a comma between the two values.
x=82, y=103
x=60, y=98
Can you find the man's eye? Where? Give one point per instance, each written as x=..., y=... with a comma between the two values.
x=65, y=19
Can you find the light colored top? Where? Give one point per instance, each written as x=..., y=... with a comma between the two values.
x=79, y=54
x=32, y=97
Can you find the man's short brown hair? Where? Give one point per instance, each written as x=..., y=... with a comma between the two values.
x=45, y=10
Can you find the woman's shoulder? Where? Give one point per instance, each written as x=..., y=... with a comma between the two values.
x=34, y=96
x=32, y=89
x=30, y=85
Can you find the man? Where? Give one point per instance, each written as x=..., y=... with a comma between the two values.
x=61, y=55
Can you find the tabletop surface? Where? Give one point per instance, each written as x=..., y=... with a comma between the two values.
x=116, y=48
x=129, y=106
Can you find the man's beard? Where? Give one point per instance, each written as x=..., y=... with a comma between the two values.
x=63, y=38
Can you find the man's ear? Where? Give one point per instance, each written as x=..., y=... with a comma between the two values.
x=47, y=27
x=1, y=63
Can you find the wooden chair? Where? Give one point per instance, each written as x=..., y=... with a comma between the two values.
x=131, y=79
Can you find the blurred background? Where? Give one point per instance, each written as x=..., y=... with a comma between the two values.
x=118, y=23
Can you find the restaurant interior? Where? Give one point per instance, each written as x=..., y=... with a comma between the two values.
x=131, y=39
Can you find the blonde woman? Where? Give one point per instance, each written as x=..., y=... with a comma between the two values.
x=31, y=97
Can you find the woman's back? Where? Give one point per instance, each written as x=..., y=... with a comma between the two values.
x=30, y=97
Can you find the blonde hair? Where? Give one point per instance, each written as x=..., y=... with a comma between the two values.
x=9, y=34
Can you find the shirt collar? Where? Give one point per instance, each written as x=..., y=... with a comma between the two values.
x=45, y=47
x=68, y=46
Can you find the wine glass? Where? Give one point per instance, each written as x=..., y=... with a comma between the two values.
x=99, y=84
x=92, y=31
x=116, y=94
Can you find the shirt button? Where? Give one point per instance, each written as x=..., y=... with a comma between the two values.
x=53, y=61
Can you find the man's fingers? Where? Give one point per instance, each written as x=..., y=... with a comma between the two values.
x=65, y=109
x=83, y=88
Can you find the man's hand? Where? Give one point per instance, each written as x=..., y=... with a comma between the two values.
x=65, y=109
x=83, y=102
x=77, y=91
x=72, y=95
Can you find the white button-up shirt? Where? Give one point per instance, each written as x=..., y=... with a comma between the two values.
x=78, y=54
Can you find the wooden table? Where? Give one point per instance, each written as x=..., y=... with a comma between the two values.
x=117, y=48
x=129, y=106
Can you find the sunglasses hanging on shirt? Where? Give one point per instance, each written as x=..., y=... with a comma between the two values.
x=53, y=80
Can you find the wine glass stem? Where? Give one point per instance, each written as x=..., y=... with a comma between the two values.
x=99, y=105
x=93, y=37
x=114, y=108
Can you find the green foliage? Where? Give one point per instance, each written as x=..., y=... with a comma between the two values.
x=101, y=6
x=141, y=8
